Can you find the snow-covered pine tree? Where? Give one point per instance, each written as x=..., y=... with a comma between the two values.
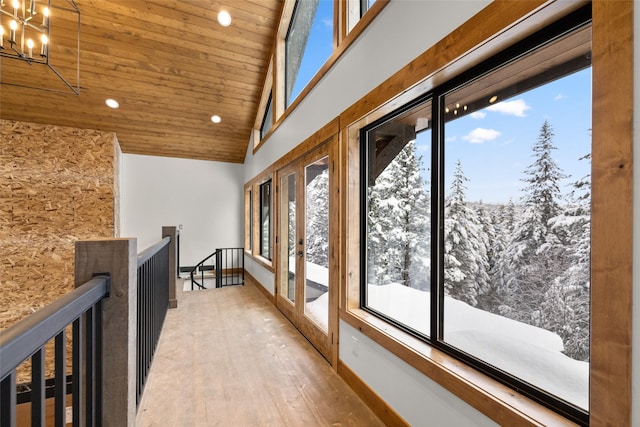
x=465, y=249
x=398, y=223
x=317, y=219
x=531, y=270
x=494, y=243
x=503, y=221
x=566, y=306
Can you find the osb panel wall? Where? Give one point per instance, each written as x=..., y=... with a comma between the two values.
x=57, y=185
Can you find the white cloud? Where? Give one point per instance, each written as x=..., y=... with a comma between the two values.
x=559, y=96
x=478, y=115
x=451, y=138
x=328, y=22
x=481, y=135
x=517, y=108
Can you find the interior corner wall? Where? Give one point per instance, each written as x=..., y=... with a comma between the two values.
x=57, y=185
x=203, y=197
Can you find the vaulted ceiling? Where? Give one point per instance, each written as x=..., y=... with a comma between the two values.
x=169, y=64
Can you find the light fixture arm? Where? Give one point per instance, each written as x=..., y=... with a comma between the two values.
x=25, y=34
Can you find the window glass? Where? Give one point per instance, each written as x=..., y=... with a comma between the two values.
x=398, y=157
x=309, y=43
x=316, y=226
x=487, y=218
x=265, y=220
x=517, y=215
x=356, y=10
x=248, y=199
x=288, y=247
x=267, y=120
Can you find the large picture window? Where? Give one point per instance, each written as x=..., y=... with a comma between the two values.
x=476, y=216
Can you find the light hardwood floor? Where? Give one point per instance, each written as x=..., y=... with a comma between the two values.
x=227, y=357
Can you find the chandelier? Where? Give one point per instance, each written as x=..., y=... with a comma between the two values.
x=26, y=36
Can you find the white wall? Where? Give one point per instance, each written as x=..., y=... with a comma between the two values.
x=419, y=400
x=205, y=197
x=261, y=274
x=415, y=26
x=374, y=57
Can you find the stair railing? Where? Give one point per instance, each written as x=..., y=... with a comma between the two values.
x=226, y=263
x=81, y=308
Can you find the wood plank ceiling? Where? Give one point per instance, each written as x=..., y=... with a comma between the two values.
x=170, y=65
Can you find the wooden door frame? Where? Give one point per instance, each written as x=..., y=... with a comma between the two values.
x=286, y=306
x=329, y=148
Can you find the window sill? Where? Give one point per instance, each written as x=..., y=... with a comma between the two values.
x=264, y=262
x=498, y=402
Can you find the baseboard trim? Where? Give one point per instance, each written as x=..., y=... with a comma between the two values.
x=249, y=278
x=385, y=412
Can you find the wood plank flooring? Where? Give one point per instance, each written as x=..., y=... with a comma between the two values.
x=227, y=357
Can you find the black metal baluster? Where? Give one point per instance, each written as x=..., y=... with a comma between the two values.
x=37, y=388
x=77, y=371
x=139, y=354
x=98, y=365
x=89, y=366
x=60, y=381
x=8, y=401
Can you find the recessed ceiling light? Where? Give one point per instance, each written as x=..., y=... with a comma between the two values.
x=216, y=119
x=493, y=99
x=112, y=103
x=224, y=18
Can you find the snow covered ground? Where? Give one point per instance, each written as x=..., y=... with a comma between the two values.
x=527, y=352
x=318, y=309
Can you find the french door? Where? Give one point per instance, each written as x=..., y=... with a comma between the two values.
x=306, y=290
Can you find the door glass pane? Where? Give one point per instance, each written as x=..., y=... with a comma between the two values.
x=288, y=229
x=317, y=242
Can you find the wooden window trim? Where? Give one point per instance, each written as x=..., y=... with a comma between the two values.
x=254, y=184
x=262, y=109
x=248, y=203
x=270, y=215
x=318, y=138
x=498, y=25
x=280, y=114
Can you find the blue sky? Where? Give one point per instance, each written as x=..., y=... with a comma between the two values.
x=319, y=46
x=494, y=145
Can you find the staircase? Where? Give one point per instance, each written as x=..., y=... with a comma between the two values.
x=224, y=267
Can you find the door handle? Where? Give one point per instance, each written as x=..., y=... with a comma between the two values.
x=300, y=254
